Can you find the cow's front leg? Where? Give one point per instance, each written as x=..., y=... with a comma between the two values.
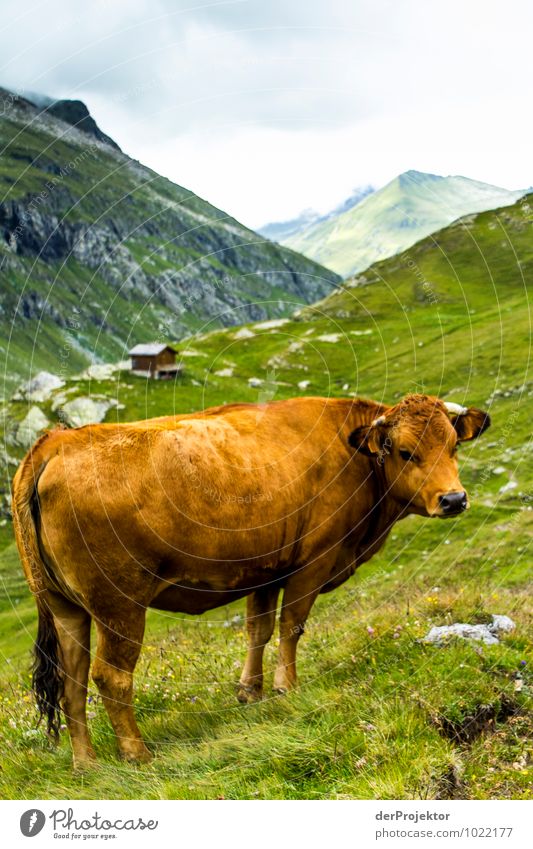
x=260, y=621
x=298, y=600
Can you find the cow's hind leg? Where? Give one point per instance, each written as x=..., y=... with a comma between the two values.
x=297, y=602
x=73, y=625
x=117, y=652
x=260, y=621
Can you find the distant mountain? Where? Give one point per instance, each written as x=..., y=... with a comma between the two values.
x=277, y=231
x=390, y=220
x=98, y=252
x=280, y=231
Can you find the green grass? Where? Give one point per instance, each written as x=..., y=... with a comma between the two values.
x=378, y=714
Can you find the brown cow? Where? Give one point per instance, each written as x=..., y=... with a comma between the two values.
x=188, y=513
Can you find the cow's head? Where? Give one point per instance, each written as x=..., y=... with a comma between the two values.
x=415, y=445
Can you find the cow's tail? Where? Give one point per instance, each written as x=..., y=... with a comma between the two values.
x=47, y=677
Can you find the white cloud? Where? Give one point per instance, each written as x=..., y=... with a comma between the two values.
x=266, y=108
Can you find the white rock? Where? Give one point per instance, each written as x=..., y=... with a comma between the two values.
x=345, y=387
x=243, y=333
x=189, y=352
x=501, y=624
x=99, y=371
x=487, y=634
x=367, y=333
x=507, y=487
x=303, y=384
x=480, y=633
x=269, y=325
x=499, y=470
x=31, y=426
x=224, y=372
x=84, y=410
x=329, y=337
x=39, y=388
x=255, y=382
x=294, y=347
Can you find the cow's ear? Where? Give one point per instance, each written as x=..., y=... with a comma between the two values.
x=470, y=424
x=366, y=439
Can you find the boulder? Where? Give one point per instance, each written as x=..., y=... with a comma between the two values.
x=83, y=410
x=99, y=371
x=31, y=426
x=487, y=634
x=39, y=388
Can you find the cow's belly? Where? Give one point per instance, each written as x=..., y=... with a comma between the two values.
x=193, y=600
x=197, y=587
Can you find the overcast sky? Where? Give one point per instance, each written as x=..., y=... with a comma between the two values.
x=267, y=107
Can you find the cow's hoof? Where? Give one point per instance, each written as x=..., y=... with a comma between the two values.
x=281, y=691
x=139, y=756
x=247, y=694
x=83, y=763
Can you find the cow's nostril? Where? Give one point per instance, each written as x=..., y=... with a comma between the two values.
x=453, y=502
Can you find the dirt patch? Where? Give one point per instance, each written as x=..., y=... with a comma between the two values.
x=479, y=721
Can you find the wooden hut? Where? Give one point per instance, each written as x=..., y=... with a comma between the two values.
x=154, y=360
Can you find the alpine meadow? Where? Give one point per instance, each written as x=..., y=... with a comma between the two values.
x=380, y=712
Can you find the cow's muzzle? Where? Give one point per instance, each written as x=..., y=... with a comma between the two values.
x=453, y=503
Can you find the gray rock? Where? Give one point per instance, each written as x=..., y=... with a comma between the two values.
x=30, y=427
x=39, y=388
x=501, y=624
x=100, y=371
x=84, y=410
x=487, y=634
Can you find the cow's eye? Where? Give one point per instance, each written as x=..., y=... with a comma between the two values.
x=406, y=455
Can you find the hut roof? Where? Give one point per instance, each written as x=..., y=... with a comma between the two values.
x=150, y=349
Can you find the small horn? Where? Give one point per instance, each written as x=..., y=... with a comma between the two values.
x=378, y=421
x=455, y=409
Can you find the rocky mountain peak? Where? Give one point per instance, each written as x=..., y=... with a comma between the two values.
x=75, y=112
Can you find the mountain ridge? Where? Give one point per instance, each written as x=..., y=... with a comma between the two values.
x=84, y=226
x=282, y=230
x=393, y=218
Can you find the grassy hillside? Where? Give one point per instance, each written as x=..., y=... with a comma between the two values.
x=379, y=714
x=392, y=219
x=98, y=252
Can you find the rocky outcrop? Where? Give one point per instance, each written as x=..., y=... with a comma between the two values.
x=86, y=230
x=76, y=113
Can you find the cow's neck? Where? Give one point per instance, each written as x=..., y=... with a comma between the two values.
x=383, y=513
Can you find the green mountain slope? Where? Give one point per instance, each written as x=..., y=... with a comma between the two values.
x=392, y=219
x=98, y=252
